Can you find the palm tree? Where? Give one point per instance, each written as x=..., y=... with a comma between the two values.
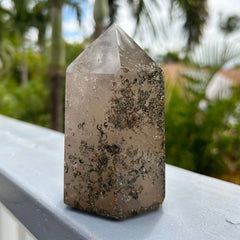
x=109, y=8
x=21, y=18
x=209, y=137
x=57, y=61
x=40, y=20
x=195, y=13
x=100, y=12
x=56, y=65
x=6, y=48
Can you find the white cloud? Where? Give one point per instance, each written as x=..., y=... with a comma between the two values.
x=32, y=34
x=7, y=4
x=74, y=39
x=71, y=26
x=124, y=18
x=215, y=8
x=73, y=32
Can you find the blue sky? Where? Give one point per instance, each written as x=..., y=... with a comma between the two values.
x=71, y=29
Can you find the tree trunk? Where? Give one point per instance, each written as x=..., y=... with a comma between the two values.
x=98, y=29
x=41, y=38
x=24, y=72
x=23, y=64
x=99, y=14
x=56, y=67
x=56, y=76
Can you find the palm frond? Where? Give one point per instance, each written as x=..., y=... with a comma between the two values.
x=113, y=8
x=5, y=11
x=216, y=55
x=196, y=15
x=75, y=5
x=6, y=53
x=207, y=60
x=142, y=12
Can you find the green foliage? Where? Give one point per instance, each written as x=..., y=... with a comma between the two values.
x=73, y=50
x=205, y=140
x=202, y=134
x=28, y=102
x=6, y=52
x=171, y=57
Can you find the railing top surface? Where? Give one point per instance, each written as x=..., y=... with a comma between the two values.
x=31, y=186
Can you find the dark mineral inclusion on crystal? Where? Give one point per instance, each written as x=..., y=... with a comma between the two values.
x=114, y=129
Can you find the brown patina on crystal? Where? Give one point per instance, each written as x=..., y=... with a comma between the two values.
x=114, y=129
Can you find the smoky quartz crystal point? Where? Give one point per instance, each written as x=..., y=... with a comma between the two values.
x=114, y=129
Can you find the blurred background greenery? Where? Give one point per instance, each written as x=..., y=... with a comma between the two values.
x=202, y=79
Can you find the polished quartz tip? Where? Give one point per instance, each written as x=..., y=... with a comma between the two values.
x=114, y=129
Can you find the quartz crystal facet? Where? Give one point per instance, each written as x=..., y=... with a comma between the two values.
x=114, y=129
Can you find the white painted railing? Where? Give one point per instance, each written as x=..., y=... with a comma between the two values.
x=196, y=207
x=11, y=228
